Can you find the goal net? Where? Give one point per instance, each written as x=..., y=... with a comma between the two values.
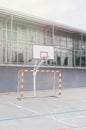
x=48, y=83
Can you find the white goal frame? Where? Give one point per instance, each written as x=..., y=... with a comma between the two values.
x=20, y=88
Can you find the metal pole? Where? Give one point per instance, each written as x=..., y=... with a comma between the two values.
x=11, y=38
x=80, y=49
x=22, y=84
x=17, y=44
x=6, y=46
x=34, y=79
x=74, y=62
x=53, y=35
x=60, y=82
x=6, y=40
x=18, y=84
x=34, y=82
x=36, y=67
x=54, y=81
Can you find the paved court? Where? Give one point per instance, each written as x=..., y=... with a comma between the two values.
x=45, y=113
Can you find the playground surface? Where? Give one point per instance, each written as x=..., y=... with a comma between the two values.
x=67, y=112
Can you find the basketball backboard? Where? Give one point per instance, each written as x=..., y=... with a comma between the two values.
x=41, y=52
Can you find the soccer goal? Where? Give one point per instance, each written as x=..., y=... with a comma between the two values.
x=48, y=83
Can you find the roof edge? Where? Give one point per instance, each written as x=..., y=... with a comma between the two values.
x=40, y=20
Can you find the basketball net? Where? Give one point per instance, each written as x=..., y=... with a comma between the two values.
x=44, y=58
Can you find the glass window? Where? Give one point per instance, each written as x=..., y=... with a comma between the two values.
x=14, y=27
x=8, y=35
x=39, y=37
x=14, y=56
x=69, y=38
x=77, y=44
x=1, y=52
x=63, y=44
x=69, y=45
x=14, y=36
x=58, y=57
x=8, y=25
x=84, y=44
x=4, y=34
x=64, y=58
x=20, y=55
x=8, y=52
x=70, y=58
x=49, y=41
x=22, y=33
x=77, y=57
x=32, y=35
x=1, y=32
x=83, y=61
x=49, y=38
x=57, y=41
x=63, y=40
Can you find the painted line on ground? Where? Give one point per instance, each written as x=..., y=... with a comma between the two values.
x=41, y=115
x=61, y=121
x=24, y=108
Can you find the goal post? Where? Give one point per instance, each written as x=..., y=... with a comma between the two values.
x=55, y=89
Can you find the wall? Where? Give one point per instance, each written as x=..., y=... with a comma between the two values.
x=70, y=78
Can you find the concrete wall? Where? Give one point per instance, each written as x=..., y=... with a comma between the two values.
x=70, y=78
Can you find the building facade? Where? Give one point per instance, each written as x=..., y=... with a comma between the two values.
x=19, y=32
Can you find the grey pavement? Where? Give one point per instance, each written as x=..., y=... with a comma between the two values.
x=44, y=113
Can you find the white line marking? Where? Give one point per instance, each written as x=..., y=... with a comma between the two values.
x=61, y=121
x=24, y=108
x=35, y=112
x=18, y=106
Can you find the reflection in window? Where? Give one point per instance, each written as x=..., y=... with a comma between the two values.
x=64, y=58
x=57, y=40
x=57, y=54
x=58, y=57
x=14, y=56
x=77, y=60
x=63, y=44
x=39, y=36
x=63, y=41
x=58, y=60
x=70, y=58
x=83, y=61
x=14, y=36
x=69, y=45
x=20, y=57
x=77, y=44
x=1, y=53
x=22, y=33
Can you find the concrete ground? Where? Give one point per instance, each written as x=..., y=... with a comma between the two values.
x=44, y=113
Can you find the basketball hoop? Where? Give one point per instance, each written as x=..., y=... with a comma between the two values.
x=44, y=57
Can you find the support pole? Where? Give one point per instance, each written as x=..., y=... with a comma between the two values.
x=34, y=83
x=22, y=84
x=36, y=67
x=54, y=82
x=18, y=84
x=6, y=46
x=11, y=38
x=60, y=82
